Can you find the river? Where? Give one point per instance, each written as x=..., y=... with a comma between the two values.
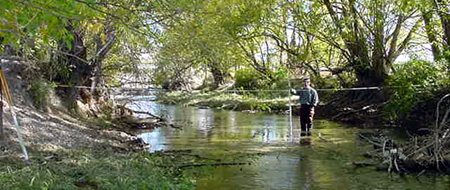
x=278, y=161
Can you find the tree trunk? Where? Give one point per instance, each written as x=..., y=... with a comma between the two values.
x=432, y=35
x=442, y=7
x=81, y=69
x=379, y=67
x=218, y=74
x=370, y=71
x=101, y=50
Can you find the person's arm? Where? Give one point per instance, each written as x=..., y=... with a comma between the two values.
x=294, y=92
x=315, y=98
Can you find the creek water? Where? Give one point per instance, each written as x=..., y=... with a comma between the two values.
x=275, y=161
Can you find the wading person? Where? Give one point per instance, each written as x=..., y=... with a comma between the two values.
x=308, y=100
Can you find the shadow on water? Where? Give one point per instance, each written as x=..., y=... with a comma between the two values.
x=283, y=163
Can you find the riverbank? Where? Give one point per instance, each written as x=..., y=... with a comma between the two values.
x=367, y=114
x=225, y=100
x=66, y=154
x=91, y=169
x=70, y=152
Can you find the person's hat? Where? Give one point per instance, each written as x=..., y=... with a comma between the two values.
x=306, y=79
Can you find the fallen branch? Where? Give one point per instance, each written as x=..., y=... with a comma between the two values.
x=214, y=164
x=200, y=157
x=370, y=141
x=150, y=114
x=421, y=149
x=421, y=173
x=345, y=113
x=362, y=163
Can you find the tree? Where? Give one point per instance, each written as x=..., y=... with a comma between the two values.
x=436, y=18
x=368, y=34
x=73, y=35
x=295, y=36
x=199, y=37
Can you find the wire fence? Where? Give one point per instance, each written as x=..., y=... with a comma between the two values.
x=325, y=93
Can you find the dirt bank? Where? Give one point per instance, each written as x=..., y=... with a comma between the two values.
x=54, y=129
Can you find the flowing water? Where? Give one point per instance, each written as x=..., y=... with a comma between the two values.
x=278, y=161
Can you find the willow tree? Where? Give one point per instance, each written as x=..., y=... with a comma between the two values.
x=370, y=34
x=443, y=8
x=197, y=38
x=436, y=20
x=292, y=27
x=39, y=29
x=176, y=60
x=74, y=36
x=246, y=24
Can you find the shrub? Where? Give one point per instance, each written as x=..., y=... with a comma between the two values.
x=55, y=71
x=249, y=79
x=327, y=82
x=412, y=82
x=40, y=92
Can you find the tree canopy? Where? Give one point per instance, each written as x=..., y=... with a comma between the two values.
x=358, y=41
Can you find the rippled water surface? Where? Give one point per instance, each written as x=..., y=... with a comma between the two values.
x=282, y=162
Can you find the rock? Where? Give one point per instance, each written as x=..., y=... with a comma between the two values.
x=203, y=107
x=83, y=109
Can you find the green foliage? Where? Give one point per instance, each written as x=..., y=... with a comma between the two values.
x=328, y=82
x=24, y=21
x=412, y=82
x=40, y=91
x=258, y=105
x=248, y=79
x=279, y=80
x=52, y=71
x=44, y=30
x=277, y=86
x=446, y=58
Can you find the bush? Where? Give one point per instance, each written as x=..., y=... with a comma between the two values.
x=412, y=82
x=40, y=92
x=55, y=71
x=327, y=82
x=249, y=79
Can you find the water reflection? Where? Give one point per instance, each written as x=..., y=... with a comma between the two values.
x=285, y=164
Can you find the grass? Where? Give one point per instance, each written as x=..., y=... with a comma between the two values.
x=92, y=170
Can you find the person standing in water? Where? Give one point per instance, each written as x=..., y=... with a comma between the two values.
x=308, y=98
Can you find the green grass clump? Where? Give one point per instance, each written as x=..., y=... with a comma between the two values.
x=88, y=170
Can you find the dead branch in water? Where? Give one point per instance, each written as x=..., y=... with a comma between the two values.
x=422, y=152
x=150, y=114
x=214, y=164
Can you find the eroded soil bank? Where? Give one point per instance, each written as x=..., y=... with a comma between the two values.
x=70, y=152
